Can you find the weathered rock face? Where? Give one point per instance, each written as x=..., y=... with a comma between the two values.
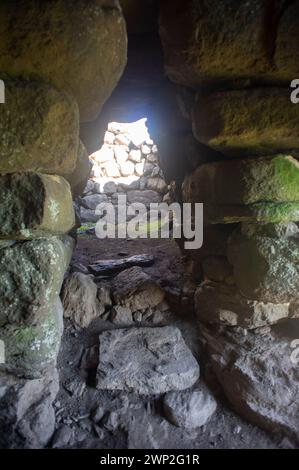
x=248, y=181
x=223, y=304
x=212, y=41
x=79, y=48
x=148, y=361
x=78, y=179
x=265, y=261
x=31, y=274
x=33, y=204
x=257, y=375
x=31, y=349
x=134, y=289
x=79, y=298
x=39, y=128
x=190, y=409
x=27, y=419
x=247, y=122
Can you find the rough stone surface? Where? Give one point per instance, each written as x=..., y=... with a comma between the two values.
x=27, y=419
x=31, y=349
x=223, y=304
x=31, y=275
x=80, y=301
x=248, y=181
x=79, y=177
x=265, y=260
x=135, y=289
x=145, y=197
x=32, y=204
x=148, y=361
x=257, y=375
x=247, y=122
x=264, y=212
x=39, y=128
x=212, y=41
x=189, y=409
x=80, y=49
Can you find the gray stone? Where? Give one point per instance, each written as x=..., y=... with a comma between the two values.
x=88, y=215
x=31, y=349
x=27, y=418
x=39, y=129
x=80, y=301
x=121, y=316
x=148, y=361
x=92, y=201
x=189, y=409
x=266, y=261
x=35, y=205
x=258, y=375
x=144, y=197
x=31, y=275
x=223, y=304
x=63, y=437
x=134, y=289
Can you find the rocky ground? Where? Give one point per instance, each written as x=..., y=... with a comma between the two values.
x=103, y=402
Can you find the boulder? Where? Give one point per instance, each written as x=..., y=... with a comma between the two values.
x=135, y=289
x=248, y=181
x=27, y=417
x=88, y=215
x=79, y=299
x=147, y=361
x=39, y=128
x=189, y=409
x=81, y=50
x=31, y=349
x=157, y=184
x=92, y=201
x=31, y=275
x=127, y=168
x=202, y=47
x=34, y=205
x=223, y=304
x=111, y=169
x=145, y=197
x=257, y=374
x=260, y=127
x=265, y=259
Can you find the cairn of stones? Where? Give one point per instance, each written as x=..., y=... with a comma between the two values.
x=127, y=164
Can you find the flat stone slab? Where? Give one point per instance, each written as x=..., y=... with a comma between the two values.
x=147, y=361
x=115, y=266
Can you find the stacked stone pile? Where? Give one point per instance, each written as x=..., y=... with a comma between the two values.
x=127, y=164
x=47, y=93
x=249, y=260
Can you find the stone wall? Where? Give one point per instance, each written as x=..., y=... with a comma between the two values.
x=59, y=63
x=233, y=63
x=127, y=165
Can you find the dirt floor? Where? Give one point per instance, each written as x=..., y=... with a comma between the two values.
x=89, y=418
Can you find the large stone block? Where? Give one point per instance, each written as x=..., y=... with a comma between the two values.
x=147, y=361
x=207, y=41
x=39, y=128
x=258, y=121
x=27, y=418
x=223, y=304
x=33, y=204
x=31, y=275
x=271, y=179
x=264, y=212
x=258, y=375
x=265, y=259
x=80, y=48
x=31, y=349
